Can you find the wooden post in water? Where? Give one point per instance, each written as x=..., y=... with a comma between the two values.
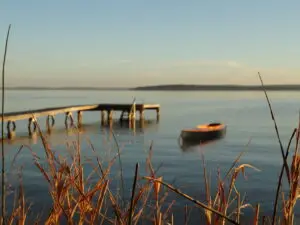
x=69, y=117
x=142, y=114
x=11, y=131
x=128, y=113
x=109, y=115
x=31, y=129
x=79, y=119
x=49, y=125
x=142, y=124
x=157, y=114
x=110, y=123
x=102, y=117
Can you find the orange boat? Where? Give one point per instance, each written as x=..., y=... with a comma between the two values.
x=204, y=132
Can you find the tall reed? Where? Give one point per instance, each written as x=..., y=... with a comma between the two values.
x=3, y=193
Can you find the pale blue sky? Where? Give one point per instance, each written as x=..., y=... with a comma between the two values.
x=129, y=43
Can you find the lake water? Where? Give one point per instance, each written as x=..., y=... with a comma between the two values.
x=245, y=113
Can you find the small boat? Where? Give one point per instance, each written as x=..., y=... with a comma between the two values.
x=204, y=132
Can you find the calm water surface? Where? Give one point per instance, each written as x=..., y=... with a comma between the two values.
x=245, y=113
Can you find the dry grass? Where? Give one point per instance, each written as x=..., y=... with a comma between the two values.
x=77, y=201
x=3, y=186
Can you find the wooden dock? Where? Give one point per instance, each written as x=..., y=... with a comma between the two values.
x=128, y=112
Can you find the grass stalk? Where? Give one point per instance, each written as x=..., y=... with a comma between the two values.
x=256, y=217
x=120, y=163
x=202, y=205
x=3, y=197
x=133, y=193
x=276, y=130
x=280, y=178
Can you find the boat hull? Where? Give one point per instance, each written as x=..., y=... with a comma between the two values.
x=202, y=136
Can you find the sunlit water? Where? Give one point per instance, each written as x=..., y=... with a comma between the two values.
x=245, y=113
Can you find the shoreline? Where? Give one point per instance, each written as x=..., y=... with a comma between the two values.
x=165, y=88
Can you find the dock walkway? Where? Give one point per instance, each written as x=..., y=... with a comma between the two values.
x=105, y=109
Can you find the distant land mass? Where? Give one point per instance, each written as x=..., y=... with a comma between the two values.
x=225, y=87
x=173, y=87
x=29, y=88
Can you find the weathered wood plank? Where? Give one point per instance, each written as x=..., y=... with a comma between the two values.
x=45, y=112
x=14, y=116
x=123, y=107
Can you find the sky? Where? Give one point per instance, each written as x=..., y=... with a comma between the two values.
x=138, y=42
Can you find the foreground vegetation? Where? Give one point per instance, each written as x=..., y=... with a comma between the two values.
x=76, y=200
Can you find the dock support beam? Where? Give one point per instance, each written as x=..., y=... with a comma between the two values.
x=70, y=118
x=142, y=115
x=142, y=124
x=50, y=125
x=31, y=129
x=102, y=117
x=109, y=115
x=11, y=131
x=128, y=114
x=79, y=119
x=157, y=114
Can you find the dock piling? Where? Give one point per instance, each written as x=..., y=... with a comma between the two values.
x=50, y=125
x=109, y=115
x=142, y=114
x=128, y=112
x=69, y=117
x=102, y=117
x=11, y=131
x=31, y=126
x=79, y=118
x=157, y=114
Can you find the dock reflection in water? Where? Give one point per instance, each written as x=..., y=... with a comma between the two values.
x=58, y=135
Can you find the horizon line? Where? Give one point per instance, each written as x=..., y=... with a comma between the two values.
x=166, y=87
x=154, y=85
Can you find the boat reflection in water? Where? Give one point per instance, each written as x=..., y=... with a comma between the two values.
x=189, y=146
x=201, y=136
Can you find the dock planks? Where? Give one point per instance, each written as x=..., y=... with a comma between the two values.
x=22, y=115
x=106, y=115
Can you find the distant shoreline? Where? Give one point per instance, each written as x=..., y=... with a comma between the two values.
x=168, y=88
x=288, y=87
